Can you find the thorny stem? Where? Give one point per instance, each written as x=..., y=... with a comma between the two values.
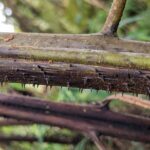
x=83, y=61
x=83, y=119
x=74, y=75
x=114, y=17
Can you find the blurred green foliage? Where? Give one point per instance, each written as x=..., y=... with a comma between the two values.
x=70, y=16
x=78, y=16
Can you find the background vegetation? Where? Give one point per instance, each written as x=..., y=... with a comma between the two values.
x=71, y=16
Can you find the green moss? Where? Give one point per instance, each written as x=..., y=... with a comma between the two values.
x=89, y=57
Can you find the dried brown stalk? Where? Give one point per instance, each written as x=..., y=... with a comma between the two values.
x=114, y=17
x=84, y=119
x=83, y=61
x=137, y=101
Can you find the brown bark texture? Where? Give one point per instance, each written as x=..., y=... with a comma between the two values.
x=83, y=61
x=81, y=118
x=114, y=17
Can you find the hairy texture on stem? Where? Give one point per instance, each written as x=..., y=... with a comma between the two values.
x=114, y=17
x=75, y=75
x=84, y=61
x=84, y=119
